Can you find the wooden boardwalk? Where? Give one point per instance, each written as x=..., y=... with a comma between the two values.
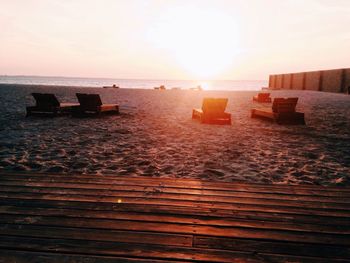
x=80, y=218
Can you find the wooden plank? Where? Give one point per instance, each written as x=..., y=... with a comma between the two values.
x=173, y=228
x=151, y=252
x=243, y=188
x=290, y=248
x=181, y=219
x=179, y=210
x=174, y=196
x=105, y=248
x=15, y=256
x=156, y=189
x=253, y=246
x=296, y=259
x=174, y=182
x=95, y=233
x=146, y=201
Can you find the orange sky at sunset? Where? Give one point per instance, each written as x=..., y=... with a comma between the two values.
x=166, y=39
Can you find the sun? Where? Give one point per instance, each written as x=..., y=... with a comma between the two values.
x=204, y=42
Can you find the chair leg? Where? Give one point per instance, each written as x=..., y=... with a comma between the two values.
x=193, y=114
x=28, y=111
x=252, y=113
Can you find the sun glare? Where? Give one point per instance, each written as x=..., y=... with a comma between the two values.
x=203, y=42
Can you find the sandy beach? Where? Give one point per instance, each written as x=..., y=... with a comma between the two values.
x=155, y=136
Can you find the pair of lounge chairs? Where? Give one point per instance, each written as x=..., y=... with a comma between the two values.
x=282, y=112
x=48, y=104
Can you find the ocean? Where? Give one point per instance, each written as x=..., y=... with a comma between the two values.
x=135, y=83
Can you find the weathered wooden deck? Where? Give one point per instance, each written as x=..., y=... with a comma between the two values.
x=79, y=218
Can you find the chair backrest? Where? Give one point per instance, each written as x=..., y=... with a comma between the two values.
x=281, y=105
x=46, y=100
x=214, y=105
x=263, y=96
x=89, y=101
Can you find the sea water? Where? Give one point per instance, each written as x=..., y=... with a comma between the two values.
x=135, y=83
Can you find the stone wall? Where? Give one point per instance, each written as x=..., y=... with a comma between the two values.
x=336, y=80
x=298, y=81
x=346, y=85
x=312, y=80
x=278, y=83
x=332, y=80
x=287, y=81
x=272, y=81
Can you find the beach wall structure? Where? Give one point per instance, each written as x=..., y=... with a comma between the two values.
x=287, y=81
x=272, y=81
x=312, y=80
x=298, y=81
x=335, y=80
x=346, y=87
x=332, y=79
x=278, y=81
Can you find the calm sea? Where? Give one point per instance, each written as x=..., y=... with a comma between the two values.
x=135, y=83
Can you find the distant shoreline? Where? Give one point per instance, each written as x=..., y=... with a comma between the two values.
x=45, y=86
x=111, y=88
x=108, y=78
x=134, y=83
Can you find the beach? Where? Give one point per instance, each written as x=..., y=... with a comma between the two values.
x=155, y=136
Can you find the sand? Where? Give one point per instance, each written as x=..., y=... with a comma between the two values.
x=155, y=136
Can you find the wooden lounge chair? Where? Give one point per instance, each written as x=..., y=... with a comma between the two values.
x=212, y=112
x=262, y=97
x=47, y=104
x=282, y=112
x=92, y=104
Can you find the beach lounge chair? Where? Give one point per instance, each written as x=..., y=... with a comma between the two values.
x=282, y=112
x=48, y=104
x=262, y=97
x=212, y=112
x=92, y=104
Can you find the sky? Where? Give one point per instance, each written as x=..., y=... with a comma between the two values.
x=173, y=39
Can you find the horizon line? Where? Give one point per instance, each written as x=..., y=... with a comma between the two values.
x=52, y=76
